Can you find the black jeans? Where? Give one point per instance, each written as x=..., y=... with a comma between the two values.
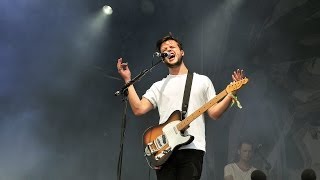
x=184, y=164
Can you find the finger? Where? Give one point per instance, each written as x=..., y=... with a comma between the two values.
x=119, y=60
x=242, y=73
x=119, y=63
x=234, y=73
x=124, y=65
x=234, y=78
x=239, y=73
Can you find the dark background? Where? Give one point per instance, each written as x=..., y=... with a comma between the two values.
x=59, y=118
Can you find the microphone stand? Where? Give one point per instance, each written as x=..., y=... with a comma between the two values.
x=124, y=92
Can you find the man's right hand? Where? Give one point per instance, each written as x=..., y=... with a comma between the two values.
x=123, y=70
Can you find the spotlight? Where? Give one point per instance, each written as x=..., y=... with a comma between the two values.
x=107, y=10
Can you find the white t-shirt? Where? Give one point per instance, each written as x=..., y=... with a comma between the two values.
x=237, y=174
x=167, y=96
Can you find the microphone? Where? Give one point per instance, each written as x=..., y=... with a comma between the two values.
x=258, y=175
x=163, y=55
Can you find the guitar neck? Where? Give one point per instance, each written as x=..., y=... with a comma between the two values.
x=184, y=123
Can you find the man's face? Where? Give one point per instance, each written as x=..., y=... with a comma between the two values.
x=172, y=47
x=245, y=152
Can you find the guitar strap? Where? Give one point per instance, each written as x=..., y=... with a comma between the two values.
x=186, y=95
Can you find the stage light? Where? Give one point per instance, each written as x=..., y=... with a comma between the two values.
x=107, y=10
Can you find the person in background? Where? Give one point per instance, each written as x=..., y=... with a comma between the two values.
x=242, y=169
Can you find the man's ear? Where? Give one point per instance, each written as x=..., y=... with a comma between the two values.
x=182, y=53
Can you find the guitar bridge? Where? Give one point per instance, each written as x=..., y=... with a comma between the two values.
x=155, y=145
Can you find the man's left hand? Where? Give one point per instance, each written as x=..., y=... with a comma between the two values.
x=238, y=75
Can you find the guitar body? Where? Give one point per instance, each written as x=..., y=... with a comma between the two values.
x=160, y=141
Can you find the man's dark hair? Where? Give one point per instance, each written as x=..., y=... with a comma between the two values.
x=308, y=174
x=167, y=38
x=258, y=175
x=245, y=141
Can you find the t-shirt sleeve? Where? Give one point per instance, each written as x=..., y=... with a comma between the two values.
x=151, y=95
x=227, y=170
x=211, y=92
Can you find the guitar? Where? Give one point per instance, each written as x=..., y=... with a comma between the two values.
x=159, y=141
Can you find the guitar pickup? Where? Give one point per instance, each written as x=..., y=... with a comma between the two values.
x=164, y=139
x=160, y=141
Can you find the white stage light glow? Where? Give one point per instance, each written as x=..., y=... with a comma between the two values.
x=107, y=10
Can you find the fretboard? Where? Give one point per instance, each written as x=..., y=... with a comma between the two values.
x=184, y=123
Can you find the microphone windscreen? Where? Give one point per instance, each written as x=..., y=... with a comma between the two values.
x=258, y=175
x=308, y=174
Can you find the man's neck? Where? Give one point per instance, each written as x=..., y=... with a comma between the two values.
x=182, y=69
x=244, y=165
